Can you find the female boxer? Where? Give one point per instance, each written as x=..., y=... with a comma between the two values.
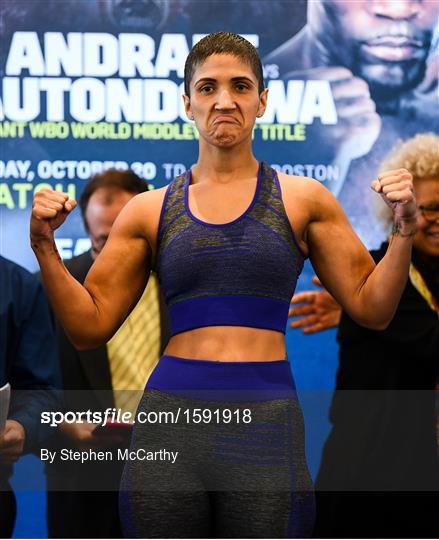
x=228, y=240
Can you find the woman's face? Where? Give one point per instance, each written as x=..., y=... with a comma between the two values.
x=427, y=198
x=224, y=100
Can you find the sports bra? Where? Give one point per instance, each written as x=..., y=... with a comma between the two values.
x=240, y=273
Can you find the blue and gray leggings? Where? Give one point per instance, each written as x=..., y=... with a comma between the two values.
x=240, y=471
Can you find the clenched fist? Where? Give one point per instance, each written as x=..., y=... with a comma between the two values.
x=396, y=189
x=49, y=211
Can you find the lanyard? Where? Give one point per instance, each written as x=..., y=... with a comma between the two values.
x=419, y=284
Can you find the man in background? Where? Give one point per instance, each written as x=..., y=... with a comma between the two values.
x=379, y=58
x=83, y=498
x=29, y=363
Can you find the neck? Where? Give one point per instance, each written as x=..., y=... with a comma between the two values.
x=224, y=164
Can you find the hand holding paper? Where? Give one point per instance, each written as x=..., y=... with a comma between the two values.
x=12, y=434
x=11, y=442
x=5, y=396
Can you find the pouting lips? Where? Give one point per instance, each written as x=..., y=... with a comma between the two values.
x=225, y=118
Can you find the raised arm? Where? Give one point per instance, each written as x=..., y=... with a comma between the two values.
x=91, y=313
x=368, y=293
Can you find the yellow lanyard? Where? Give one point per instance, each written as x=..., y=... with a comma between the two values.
x=419, y=284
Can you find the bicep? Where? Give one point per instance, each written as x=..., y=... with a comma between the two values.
x=338, y=256
x=120, y=273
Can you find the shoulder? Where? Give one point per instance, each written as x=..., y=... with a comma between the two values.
x=140, y=217
x=154, y=195
x=143, y=209
x=311, y=194
x=290, y=180
x=149, y=199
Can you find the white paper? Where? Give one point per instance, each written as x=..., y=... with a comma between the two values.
x=5, y=396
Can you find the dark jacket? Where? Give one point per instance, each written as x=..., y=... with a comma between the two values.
x=383, y=441
x=28, y=356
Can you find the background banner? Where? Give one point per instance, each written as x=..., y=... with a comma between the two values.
x=92, y=84
x=95, y=84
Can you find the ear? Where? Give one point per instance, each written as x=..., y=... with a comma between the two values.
x=262, y=102
x=187, y=107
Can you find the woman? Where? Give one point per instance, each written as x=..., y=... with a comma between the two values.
x=379, y=474
x=221, y=238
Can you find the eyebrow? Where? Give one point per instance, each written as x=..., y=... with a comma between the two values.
x=234, y=79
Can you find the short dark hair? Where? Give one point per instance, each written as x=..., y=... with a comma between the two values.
x=115, y=179
x=223, y=43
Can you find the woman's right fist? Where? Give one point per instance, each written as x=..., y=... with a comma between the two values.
x=49, y=211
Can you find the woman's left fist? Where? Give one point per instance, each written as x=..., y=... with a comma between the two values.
x=396, y=188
